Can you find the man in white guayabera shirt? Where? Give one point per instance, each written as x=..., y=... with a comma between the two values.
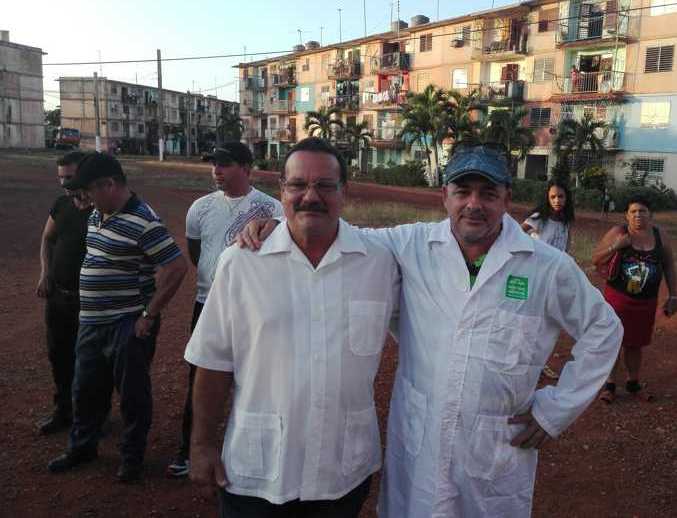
x=211, y=223
x=301, y=347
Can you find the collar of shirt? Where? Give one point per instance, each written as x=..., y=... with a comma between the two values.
x=347, y=241
x=131, y=204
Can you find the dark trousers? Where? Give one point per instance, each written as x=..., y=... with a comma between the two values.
x=187, y=422
x=107, y=356
x=61, y=319
x=239, y=506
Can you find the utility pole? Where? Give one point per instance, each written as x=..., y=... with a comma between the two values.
x=161, y=109
x=321, y=31
x=340, y=31
x=97, y=139
x=364, y=16
x=438, y=10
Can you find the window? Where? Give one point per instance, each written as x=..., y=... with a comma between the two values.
x=546, y=20
x=369, y=119
x=420, y=155
x=324, y=89
x=115, y=126
x=466, y=32
x=380, y=156
x=306, y=65
x=305, y=94
x=539, y=117
x=655, y=114
x=140, y=128
x=659, y=7
x=423, y=79
x=113, y=89
x=659, y=59
x=459, y=78
x=139, y=110
x=510, y=72
x=125, y=108
x=426, y=42
x=647, y=171
x=113, y=108
x=544, y=69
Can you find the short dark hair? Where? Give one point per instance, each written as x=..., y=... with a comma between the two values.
x=638, y=198
x=72, y=158
x=318, y=145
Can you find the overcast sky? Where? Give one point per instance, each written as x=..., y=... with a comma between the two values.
x=81, y=30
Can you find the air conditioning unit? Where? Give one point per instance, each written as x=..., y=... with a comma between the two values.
x=457, y=43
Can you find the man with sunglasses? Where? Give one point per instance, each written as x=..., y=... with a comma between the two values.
x=62, y=249
x=211, y=224
x=297, y=329
x=130, y=272
x=483, y=305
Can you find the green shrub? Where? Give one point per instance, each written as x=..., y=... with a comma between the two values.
x=410, y=174
x=661, y=197
x=268, y=164
x=527, y=191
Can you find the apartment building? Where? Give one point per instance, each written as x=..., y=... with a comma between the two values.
x=612, y=59
x=21, y=95
x=129, y=116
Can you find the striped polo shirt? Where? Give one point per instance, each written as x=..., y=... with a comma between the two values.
x=117, y=274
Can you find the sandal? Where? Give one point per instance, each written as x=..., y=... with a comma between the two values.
x=608, y=393
x=639, y=391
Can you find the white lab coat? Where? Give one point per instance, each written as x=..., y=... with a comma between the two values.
x=471, y=358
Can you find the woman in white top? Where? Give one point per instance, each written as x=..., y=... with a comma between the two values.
x=551, y=222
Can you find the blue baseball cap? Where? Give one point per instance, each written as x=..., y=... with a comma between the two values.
x=485, y=160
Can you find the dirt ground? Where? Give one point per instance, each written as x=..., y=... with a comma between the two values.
x=615, y=461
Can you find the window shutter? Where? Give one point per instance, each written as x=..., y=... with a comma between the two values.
x=651, y=63
x=666, y=56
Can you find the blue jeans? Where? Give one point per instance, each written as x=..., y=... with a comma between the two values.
x=107, y=356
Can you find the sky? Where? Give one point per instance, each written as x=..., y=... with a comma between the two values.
x=97, y=30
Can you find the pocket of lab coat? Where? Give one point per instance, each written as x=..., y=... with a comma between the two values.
x=366, y=326
x=361, y=442
x=512, y=342
x=489, y=455
x=255, y=445
x=410, y=415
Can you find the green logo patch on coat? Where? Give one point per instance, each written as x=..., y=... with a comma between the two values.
x=517, y=288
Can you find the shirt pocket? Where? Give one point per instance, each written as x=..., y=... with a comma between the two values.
x=512, y=342
x=366, y=326
x=255, y=445
x=361, y=441
x=410, y=415
x=489, y=455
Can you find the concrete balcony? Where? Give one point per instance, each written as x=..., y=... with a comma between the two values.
x=597, y=27
x=502, y=92
x=590, y=86
x=386, y=100
x=501, y=50
x=386, y=138
x=252, y=135
x=345, y=70
x=283, y=106
x=345, y=103
x=285, y=79
x=280, y=135
x=393, y=63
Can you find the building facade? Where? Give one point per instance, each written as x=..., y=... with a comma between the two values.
x=129, y=118
x=21, y=95
x=611, y=59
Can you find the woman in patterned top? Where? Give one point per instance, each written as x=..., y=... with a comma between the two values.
x=551, y=222
x=632, y=288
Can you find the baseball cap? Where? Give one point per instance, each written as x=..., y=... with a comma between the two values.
x=92, y=167
x=230, y=152
x=487, y=160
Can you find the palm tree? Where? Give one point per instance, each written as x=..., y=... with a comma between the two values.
x=505, y=127
x=358, y=137
x=322, y=123
x=576, y=138
x=229, y=127
x=464, y=117
x=424, y=121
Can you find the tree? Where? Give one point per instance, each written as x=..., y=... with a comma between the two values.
x=575, y=139
x=464, y=117
x=425, y=121
x=229, y=127
x=505, y=127
x=358, y=137
x=322, y=123
x=53, y=117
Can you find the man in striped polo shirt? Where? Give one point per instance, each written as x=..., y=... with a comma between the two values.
x=131, y=271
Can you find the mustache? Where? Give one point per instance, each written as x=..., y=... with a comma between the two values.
x=473, y=214
x=310, y=207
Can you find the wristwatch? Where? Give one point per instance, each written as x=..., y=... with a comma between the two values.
x=147, y=315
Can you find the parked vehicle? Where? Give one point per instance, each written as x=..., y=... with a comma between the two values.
x=67, y=138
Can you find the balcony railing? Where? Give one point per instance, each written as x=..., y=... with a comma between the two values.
x=601, y=25
x=281, y=135
x=502, y=91
x=254, y=83
x=252, y=134
x=500, y=49
x=390, y=63
x=345, y=70
x=285, y=78
x=592, y=83
x=387, y=137
x=345, y=102
x=282, y=106
x=386, y=99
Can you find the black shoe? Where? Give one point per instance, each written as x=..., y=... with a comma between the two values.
x=129, y=472
x=71, y=459
x=54, y=423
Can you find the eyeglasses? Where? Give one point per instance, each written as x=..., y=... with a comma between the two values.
x=321, y=186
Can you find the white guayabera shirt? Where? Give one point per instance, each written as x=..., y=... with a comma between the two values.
x=469, y=358
x=304, y=345
x=215, y=220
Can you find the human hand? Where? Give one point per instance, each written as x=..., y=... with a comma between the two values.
x=143, y=326
x=255, y=233
x=43, y=290
x=670, y=306
x=206, y=469
x=533, y=436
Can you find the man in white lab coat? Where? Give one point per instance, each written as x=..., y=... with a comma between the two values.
x=482, y=306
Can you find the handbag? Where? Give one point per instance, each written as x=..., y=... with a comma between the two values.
x=612, y=267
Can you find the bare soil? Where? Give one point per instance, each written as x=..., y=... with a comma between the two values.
x=615, y=461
